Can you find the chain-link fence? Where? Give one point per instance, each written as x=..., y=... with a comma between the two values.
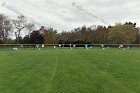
x=67, y=46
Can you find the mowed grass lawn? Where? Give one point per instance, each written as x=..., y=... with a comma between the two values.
x=70, y=71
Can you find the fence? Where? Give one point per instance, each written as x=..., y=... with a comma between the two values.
x=68, y=46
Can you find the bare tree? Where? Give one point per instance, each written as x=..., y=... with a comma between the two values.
x=19, y=24
x=30, y=27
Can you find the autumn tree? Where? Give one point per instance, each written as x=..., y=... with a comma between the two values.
x=64, y=37
x=122, y=34
x=49, y=35
x=100, y=35
x=138, y=37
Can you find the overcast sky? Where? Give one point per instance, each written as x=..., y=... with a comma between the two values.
x=61, y=15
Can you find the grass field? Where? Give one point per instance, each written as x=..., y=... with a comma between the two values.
x=70, y=71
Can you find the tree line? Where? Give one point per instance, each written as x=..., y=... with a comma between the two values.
x=126, y=33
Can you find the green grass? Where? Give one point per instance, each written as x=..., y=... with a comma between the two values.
x=70, y=71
